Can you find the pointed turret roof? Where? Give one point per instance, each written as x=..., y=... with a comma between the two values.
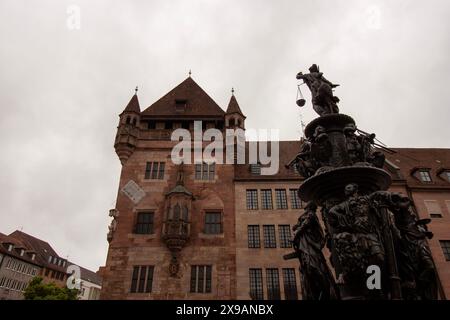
x=197, y=102
x=133, y=105
x=233, y=106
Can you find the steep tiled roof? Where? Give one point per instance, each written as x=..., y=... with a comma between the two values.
x=133, y=105
x=198, y=103
x=43, y=249
x=233, y=106
x=406, y=159
x=17, y=244
x=410, y=159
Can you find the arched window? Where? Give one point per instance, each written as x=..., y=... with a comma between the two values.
x=134, y=121
x=128, y=120
x=231, y=123
x=239, y=123
x=176, y=212
x=185, y=213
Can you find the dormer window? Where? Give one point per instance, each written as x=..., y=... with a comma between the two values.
x=180, y=105
x=10, y=247
x=447, y=175
x=22, y=251
x=424, y=175
x=50, y=259
x=33, y=256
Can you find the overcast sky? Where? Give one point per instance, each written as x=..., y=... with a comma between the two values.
x=61, y=89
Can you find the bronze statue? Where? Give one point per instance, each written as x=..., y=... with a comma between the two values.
x=323, y=100
x=366, y=227
x=316, y=278
x=419, y=279
x=356, y=235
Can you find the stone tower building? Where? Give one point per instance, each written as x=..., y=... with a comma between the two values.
x=178, y=241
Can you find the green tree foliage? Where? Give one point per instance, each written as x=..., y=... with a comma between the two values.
x=37, y=290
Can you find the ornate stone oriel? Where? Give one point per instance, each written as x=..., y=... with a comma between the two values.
x=365, y=227
x=176, y=226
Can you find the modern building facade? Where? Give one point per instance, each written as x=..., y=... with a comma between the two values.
x=219, y=231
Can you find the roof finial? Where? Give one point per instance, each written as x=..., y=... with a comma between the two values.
x=232, y=91
x=190, y=73
x=136, y=90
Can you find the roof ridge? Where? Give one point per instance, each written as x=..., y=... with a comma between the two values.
x=199, y=102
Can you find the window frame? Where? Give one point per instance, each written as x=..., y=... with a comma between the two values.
x=205, y=171
x=252, y=201
x=281, y=199
x=256, y=284
x=154, y=170
x=290, y=284
x=213, y=224
x=270, y=239
x=254, y=236
x=296, y=202
x=273, y=284
x=142, y=279
x=285, y=236
x=445, y=247
x=266, y=199
x=150, y=225
x=424, y=176
x=201, y=279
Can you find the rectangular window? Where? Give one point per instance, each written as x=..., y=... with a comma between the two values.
x=445, y=245
x=204, y=171
x=284, y=231
x=134, y=279
x=253, y=236
x=198, y=171
x=425, y=176
x=213, y=222
x=256, y=284
x=148, y=170
x=155, y=170
x=280, y=195
x=266, y=199
x=290, y=285
x=162, y=166
x=296, y=203
x=252, y=199
x=144, y=223
x=212, y=171
x=273, y=284
x=269, y=236
x=447, y=174
x=142, y=279
x=201, y=279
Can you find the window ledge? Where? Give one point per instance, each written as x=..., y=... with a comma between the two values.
x=141, y=236
x=211, y=236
